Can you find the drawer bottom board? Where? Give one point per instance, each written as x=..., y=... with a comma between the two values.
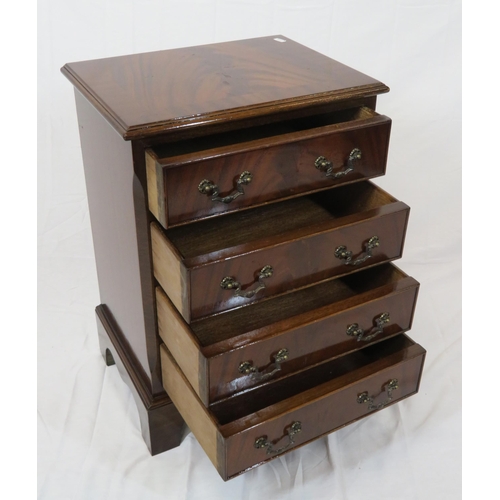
x=319, y=401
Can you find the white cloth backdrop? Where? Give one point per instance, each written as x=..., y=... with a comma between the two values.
x=89, y=442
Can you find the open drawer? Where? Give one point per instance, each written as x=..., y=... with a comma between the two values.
x=209, y=176
x=251, y=428
x=235, y=260
x=229, y=352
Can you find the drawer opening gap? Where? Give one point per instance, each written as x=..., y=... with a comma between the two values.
x=355, y=363
x=231, y=324
x=165, y=151
x=277, y=219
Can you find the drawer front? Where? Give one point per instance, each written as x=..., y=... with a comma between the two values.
x=324, y=415
x=236, y=441
x=256, y=346
x=312, y=343
x=296, y=263
x=253, y=173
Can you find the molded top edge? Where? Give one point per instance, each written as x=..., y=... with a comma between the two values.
x=152, y=93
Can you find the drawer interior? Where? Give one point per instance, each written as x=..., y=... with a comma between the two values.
x=332, y=372
x=167, y=151
x=230, y=324
x=280, y=218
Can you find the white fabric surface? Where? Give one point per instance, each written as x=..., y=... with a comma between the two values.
x=89, y=441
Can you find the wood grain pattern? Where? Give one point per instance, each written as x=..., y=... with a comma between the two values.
x=282, y=165
x=146, y=94
x=310, y=323
x=323, y=399
x=296, y=237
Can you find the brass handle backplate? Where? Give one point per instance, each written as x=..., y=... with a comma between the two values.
x=263, y=442
x=342, y=253
x=355, y=331
x=389, y=387
x=326, y=165
x=230, y=283
x=211, y=189
x=247, y=367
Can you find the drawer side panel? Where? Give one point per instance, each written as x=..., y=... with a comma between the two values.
x=182, y=344
x=168, y=270
x=192, y=411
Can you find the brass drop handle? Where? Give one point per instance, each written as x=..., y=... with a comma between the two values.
x=211, y=189
x=324, y=164
x=247, y=367
x=355, y=331
x=389, y=387
x=263, y=442
x=229, y=283
x=342, y=253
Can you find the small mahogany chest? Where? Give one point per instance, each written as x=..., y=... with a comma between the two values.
x=243, y=254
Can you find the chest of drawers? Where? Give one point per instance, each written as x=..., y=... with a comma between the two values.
x=243, y=254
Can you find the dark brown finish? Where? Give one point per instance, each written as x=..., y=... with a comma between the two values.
x=161, y=424
x=280, y=158
x=322, y=399
x=297, y=237
x=120, y=235
x=310, y=323
x=266, y=125
x=146, y=94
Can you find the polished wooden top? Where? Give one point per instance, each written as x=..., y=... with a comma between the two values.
x=157, y=92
